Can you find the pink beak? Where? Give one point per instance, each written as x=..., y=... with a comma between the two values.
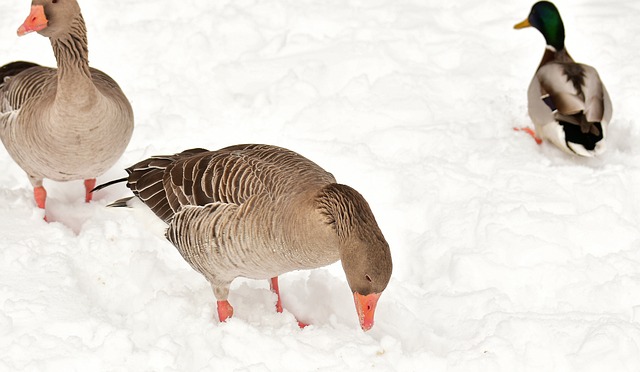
x=366, y=308
x=36, y=21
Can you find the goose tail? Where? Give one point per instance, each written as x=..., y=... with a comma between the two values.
x=100, y=187
x=121, y=203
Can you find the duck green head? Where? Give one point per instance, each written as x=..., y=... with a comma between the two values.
x=545, y=17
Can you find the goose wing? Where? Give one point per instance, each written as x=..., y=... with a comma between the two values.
x=21, y=81
x=196, y=231
x=229, y=176
x=146, y=181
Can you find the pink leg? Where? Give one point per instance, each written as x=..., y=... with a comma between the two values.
x=40, y=194
x=276, y=289
x=88, y=186
x=530, y=132
x=225, y=310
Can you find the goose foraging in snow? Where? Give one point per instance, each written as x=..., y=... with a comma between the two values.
x=259, y=211
x=568, y=103
x=63, y=124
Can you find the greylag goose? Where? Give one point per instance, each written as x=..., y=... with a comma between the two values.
x=63, y=124
x=568, y=103
x=258, y=211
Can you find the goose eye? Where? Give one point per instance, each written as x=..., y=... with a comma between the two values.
x=54, y=1
x=368, y=278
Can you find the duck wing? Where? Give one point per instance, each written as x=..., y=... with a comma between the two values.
x=571, y=89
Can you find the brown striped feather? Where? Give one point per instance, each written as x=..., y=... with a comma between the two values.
x=259, y=211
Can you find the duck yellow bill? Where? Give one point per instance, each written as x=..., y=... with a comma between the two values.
x=366, y=308
x=523, y=24
x=36, y=21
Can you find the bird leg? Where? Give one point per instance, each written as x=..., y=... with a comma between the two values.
x=89, y=184
x=225, y=310
x=276, y=289
x=40, y=195
x=530, y=132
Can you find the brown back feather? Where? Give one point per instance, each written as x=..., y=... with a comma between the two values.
x=230, y=176
x=14, y=68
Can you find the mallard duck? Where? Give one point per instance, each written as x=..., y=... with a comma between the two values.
x=69, y=123
x=259, y=211
x=568, y=103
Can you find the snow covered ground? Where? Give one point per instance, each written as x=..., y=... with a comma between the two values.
x=508, y=256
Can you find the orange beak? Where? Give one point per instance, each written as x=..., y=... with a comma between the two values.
x=36, y=21
x=366, y=308
x=523, y=24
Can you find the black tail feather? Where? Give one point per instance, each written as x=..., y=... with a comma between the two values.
x=574, y=134
x=124, y=202
x=100, y=187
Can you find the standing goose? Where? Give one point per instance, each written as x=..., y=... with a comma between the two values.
x=568, y=103
x=258, y=211
x=63, y=124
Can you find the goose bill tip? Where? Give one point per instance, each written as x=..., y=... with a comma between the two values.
x=366, y=307
x=36, y=21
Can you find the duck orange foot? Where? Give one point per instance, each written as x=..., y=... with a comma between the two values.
x=530, y=132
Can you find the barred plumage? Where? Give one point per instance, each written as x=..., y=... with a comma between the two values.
x=65, y=123
x=259, y=211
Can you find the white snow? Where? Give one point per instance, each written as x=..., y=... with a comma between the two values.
x=508, y=256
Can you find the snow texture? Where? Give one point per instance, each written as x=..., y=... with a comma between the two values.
x=508, y=256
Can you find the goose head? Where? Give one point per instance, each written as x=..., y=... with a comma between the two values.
x=367, y=266
x=364, y=252
x=50, y=18
x=545, y=17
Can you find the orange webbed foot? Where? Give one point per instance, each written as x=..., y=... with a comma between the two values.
x=530, y=132
x=225, y=310
x=40, y=195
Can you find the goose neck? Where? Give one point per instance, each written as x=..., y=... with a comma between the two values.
x=72, y=56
